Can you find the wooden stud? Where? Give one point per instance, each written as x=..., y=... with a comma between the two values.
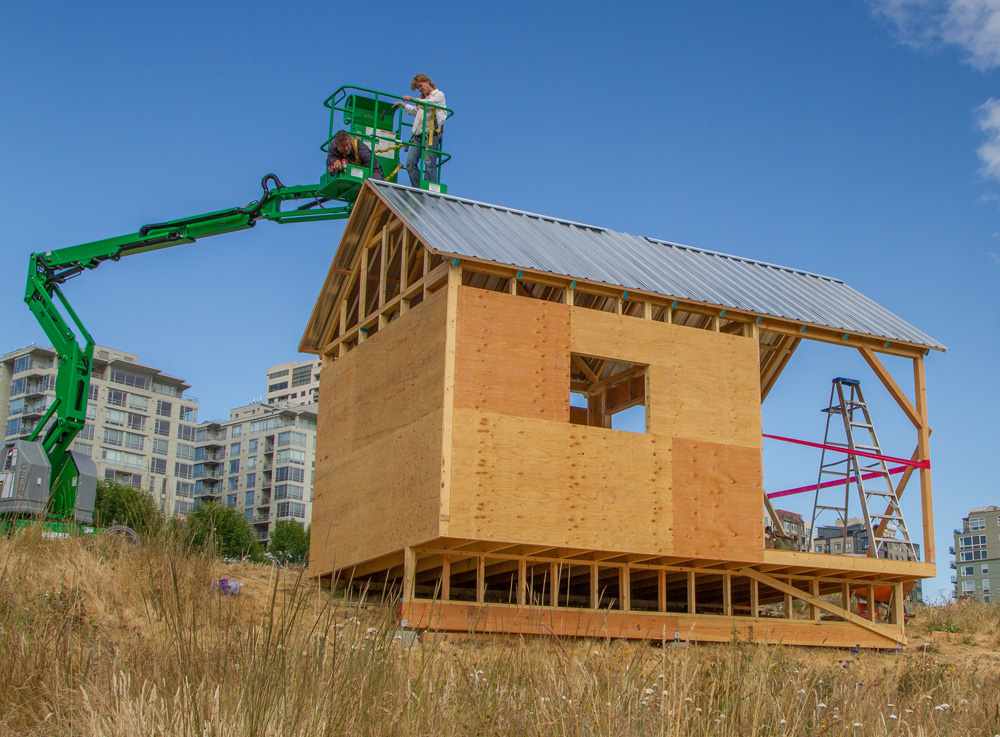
x=446, y=578
x=691, y=594
x=554, y=584
x=522, y=581
x=661, y=590
x=363, y=285
x=480, y=579
x=727, y=594
x=409, y=572
x=814, y=590
x=789, y=608
x=625, y=587
x=845, y=596
x=754, y=598
x=595, y=593
x=404, y=262
x=872, y=606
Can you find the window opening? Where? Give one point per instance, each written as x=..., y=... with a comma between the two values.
x=608, y=393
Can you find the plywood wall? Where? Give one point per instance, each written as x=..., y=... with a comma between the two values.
x=378, y=443
x=691, y=485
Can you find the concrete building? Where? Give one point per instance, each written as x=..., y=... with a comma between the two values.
x=140, y=426
x=977, y=554
x=259, y=461
x=295, y=382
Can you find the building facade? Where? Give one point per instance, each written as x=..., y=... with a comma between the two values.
x=977, y=554
x=294, y=382
x=140, y=427
x=260, y=462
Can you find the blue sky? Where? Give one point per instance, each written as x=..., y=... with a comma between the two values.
x=858, y=140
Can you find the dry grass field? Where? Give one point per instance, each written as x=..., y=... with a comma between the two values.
x=100, y=639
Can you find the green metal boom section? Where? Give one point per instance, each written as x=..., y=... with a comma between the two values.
x=367, y=114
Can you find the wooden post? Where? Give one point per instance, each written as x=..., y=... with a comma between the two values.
x=754, y=598
x=872, y=607
x=595, y=594
x=692, y=598
x=409, y=573
x=814, y=590
x=898, y=613
x=625, y=587
x=446, y=578
x=522, y=581
x=845, y=595
x=480, y=579
x=661, y=590
x=924, y=448
x=789, y=608
x=554, y=584
x=727, y=594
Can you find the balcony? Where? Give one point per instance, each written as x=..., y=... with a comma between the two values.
x=951, y=550
x=261, y=519
x=954, y=579
x=952, y=565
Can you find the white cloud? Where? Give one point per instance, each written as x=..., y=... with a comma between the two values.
x=989, y=151
x=994, y=259
x=971, y=25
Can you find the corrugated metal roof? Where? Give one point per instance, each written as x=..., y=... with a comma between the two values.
x=477, y=230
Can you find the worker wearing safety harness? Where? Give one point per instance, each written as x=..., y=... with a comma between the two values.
x=345, y=150
x=426, y=139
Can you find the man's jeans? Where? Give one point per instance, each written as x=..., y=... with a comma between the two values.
x=416, y=146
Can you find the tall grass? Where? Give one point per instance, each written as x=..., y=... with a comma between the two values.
x=97, y=638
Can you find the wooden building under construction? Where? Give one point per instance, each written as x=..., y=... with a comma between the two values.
x=452, y=465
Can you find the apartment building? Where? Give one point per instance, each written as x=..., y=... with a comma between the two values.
x=977, y=554
x=259, y=461
x=295, y=382
x=140, y=427
x=794, y=526
x=831, y=539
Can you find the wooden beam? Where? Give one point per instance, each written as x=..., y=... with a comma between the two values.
x=883, y=374
x=816, y=601
x=595, y=594
x=446, y=578
x=625, y=587
x=727, y=595
x=480, y=579
x=661, y=590
x=754, y=598
x=691, y=595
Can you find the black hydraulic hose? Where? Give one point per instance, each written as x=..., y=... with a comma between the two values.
x=144, y=230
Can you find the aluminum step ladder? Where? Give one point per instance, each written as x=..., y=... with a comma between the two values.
x=869, y=473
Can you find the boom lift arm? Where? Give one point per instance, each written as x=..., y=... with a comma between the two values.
x=48, y=270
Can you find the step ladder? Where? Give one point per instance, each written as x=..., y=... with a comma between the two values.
x=876, y=492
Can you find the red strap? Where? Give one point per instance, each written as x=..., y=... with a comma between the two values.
x=827, y=484
x=862, y=453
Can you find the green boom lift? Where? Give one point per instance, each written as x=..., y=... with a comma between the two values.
x=41, y=477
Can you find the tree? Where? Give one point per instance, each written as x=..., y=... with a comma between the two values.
x=224, y=528
x=289, y=543
x=118, y=504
